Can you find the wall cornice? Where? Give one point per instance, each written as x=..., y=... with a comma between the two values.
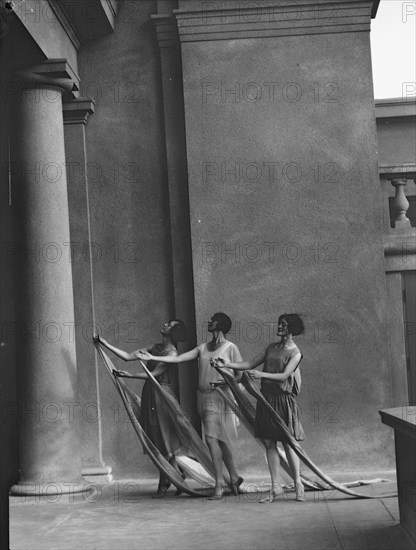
x=56, y=73
x=272, y=19
x=395, y=107
x=84, y=21
x=400, y=251
x=166, y=30
x=78, y=111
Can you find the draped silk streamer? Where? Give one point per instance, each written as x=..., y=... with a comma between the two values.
x=281, y=429
x=187, y=433
x=155, y=455
x=247, y=414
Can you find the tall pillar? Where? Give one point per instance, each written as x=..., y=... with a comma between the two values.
x=174, y=117
x=76, y=114
x=285, y=201
x=48, y=431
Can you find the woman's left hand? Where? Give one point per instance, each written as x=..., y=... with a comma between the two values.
x=121, y=373
x=217, y=362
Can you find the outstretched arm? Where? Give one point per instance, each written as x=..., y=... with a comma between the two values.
x=119, y=352
x=157, y=371
x=280, y=376
x=241, y=365
x=172, y=359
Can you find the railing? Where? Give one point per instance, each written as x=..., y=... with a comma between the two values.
x=399, y=216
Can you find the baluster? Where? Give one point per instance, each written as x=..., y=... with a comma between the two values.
x=400, y=204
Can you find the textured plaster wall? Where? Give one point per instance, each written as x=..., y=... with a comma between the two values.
x=294, y=240
x=396, y=140
x=128, y=208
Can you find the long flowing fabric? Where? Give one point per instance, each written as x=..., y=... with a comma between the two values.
x=191, y=440
x=244, y=409
x=132, y=404
x=187, y=433
x=281, y=429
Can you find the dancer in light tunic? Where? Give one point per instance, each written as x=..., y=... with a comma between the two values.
x=218, y=420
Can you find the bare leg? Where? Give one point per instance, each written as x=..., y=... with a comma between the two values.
x=216, y=455
x=293, y=460
x=228, y=460
x=273, y=462
x=294, y=464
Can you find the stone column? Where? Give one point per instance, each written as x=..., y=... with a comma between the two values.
x=76, y=114
x=174, y=116
x=48, y=431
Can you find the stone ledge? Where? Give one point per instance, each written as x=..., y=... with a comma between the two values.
x=87, y=20
x=402, y=419
x=78, y=110
x=397, y=171
x=166, y=30
x=400, y=250
x=272, y=20
x=395, y=107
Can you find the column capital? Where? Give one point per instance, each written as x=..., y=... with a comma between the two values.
x=54, y=73
x=78, y=110
x=206, y=21
x=166, y=30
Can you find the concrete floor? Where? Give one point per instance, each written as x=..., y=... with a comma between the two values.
x=123, y=516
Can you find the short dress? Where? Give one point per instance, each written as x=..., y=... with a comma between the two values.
x=154, y=416
x=280, y=396
x=218, y=420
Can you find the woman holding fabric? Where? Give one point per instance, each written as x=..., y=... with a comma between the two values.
x=218, y=420
x=153, y=415
x=280, y=361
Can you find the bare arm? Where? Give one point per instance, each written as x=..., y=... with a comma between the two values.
x=242, y=365
x=119, y=352
x=159, y=369
x=281, y=376
x=172, y=359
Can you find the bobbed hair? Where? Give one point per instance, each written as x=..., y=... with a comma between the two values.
x=179, y=332
x=294, y=322
x=224, y=322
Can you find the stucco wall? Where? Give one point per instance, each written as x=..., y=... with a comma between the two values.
x=265, y=244
x=396, y=140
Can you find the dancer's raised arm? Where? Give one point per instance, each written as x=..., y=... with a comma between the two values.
x=240, y=365
x=172, y=359
x=119, y=352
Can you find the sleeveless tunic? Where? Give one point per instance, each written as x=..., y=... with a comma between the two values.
x=218, y=420
x=279, y=395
